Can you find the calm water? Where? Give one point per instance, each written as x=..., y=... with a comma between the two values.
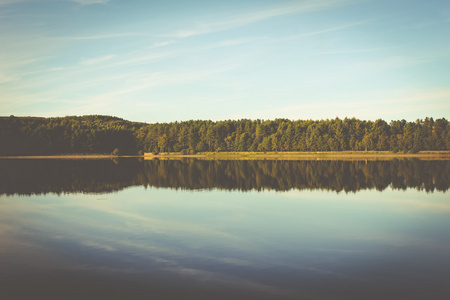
x=130, y=229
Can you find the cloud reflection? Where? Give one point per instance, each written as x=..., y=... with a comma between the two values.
x=277, y=244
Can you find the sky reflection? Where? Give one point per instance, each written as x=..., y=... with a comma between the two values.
x=271, y=244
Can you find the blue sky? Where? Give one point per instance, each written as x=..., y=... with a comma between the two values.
x=160, y=61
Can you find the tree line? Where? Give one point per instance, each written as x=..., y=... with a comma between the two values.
x=104, y=134
x=28, y=177
x=86, y=134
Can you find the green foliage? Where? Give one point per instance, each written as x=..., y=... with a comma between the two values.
x=86, y=134
x=102, y=134
x=300, y=135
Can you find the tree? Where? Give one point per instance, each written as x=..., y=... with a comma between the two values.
x=266, y=144
x=162, y=142
x=101, y=134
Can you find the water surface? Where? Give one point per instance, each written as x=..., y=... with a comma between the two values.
x=224, y=230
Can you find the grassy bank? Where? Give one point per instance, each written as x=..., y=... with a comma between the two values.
x=304, y=155
x=66, y=156
x=255, y=155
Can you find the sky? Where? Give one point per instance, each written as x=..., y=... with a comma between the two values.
x=163, y=61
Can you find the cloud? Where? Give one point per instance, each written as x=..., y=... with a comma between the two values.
x=7, y=78
x=336, y=28
x=162, y=44
x=139, y=60
x=144, y=81
x=400, y=102
x=253, y=17
x=230, y=281
x=87, y=2
x=101, y=37
x=236, y=42
x=96, y=244
x=355, y=51
x=323, y=31
x=82, y=2
x=386, y=63
x=96, y=60
x=6, y=2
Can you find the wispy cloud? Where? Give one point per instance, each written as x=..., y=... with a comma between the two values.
x=87, y=2
x=6, y=78
x=236, y=42
x=138, y=60
x=388, y=63
x=162, y=44
x=96, y=60
x=253, y=17
x=370, y=105
x=362, y=50
x=82, y=2
x=102, y=36
x=322, y=31
x=73, y=87
x=139, y=82
x=5, y=2
x=336, y=28
x=225, y=279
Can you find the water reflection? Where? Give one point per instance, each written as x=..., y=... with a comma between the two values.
x=26, y=177
x=166, y=244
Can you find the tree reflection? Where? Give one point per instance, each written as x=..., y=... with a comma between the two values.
x=27, y=177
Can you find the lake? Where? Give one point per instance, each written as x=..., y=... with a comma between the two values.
x=224, y=229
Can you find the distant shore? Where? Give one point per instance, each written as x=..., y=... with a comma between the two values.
x=305, y=155
x=64, y=156
x=253, y=155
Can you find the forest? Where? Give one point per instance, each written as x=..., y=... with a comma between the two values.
x=105, y=134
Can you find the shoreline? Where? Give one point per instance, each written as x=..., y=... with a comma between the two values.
x=66, y=156
x=252, y=155
x=347, y=155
